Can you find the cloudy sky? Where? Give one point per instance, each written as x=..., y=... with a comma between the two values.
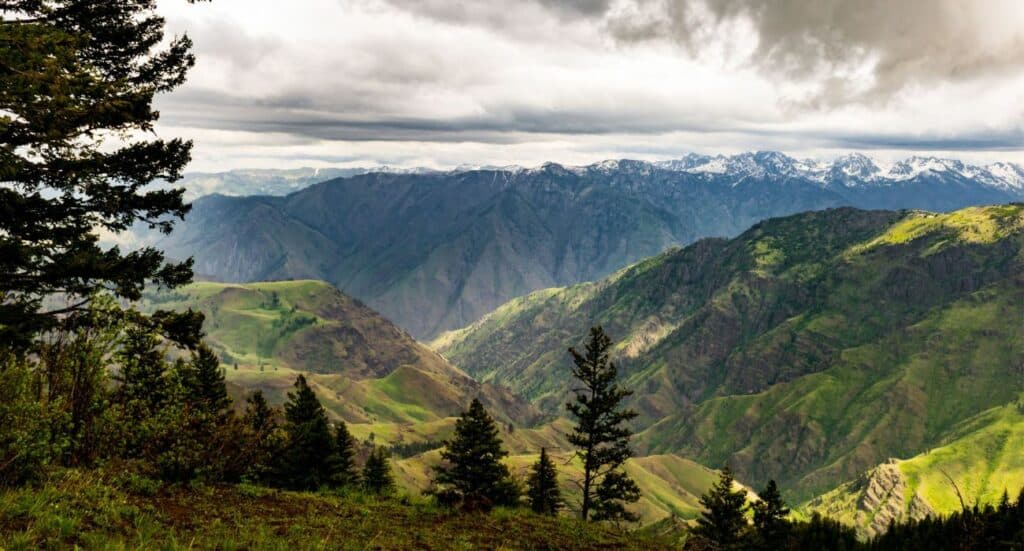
x=444, y=82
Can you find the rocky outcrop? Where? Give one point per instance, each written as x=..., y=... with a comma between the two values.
x=881, y=496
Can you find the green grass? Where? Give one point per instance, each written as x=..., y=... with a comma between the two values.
x=89, y=510
x=979, y=458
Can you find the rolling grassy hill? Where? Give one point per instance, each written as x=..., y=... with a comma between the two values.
x=364, y=369
x=809, y=349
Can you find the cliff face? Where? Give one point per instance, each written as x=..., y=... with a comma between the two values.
x=877, y=498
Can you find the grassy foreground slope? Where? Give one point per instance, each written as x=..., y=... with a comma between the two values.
x=809, y=349
x=364, y=369
x=86, y=510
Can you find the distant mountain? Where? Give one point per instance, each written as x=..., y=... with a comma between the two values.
x=434, y=251
x=269, y=181
x=364, y=369
x=809, y=349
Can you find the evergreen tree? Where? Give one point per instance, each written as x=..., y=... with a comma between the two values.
x=377, y=477
x=76, y=155
x=343, y=467
x=601, y=439
x=258, y=414
x=306, y=461
x=262, y=432
x=208, y=387
x=472, y=466
x=722, y=523
x=770, y=520
x=542, y=486
x=143, y=371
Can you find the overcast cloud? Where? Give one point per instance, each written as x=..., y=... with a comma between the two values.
x=441, y=83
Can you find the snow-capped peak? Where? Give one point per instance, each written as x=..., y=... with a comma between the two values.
x=1007, y=175
x=855, y=165
x=915, y=166
x=851, y=170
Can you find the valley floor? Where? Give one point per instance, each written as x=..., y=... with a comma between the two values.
x=91, y=510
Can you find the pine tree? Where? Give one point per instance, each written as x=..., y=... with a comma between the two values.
x=601, y=440
x=209, y=389
x=258, y=414
x=472, y=466
x=722, y=522
x=305, y=463
x=377, y=477
x=542, y=486
x=343, y=466
x=770, y=520
x=143, y=370
x=77, y=114
x=261, y=428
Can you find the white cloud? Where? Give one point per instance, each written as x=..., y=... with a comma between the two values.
x=440, y=83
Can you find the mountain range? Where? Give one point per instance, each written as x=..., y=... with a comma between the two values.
x=810, y=349
x=434, y=251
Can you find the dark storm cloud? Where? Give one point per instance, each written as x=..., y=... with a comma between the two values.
x=992, y=141
x=914, y=41
x=304, y=118
x=345, y=118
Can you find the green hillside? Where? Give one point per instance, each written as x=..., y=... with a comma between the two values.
x=809, y=349
x=364, y=369
x=980, y=459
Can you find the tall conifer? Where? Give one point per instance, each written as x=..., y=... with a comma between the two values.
x=78, y=155
x=600, y=434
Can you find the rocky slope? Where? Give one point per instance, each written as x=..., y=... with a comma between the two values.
x=809, y=349
x=435, y=251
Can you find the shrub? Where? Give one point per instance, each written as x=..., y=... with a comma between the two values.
x=30, y=439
